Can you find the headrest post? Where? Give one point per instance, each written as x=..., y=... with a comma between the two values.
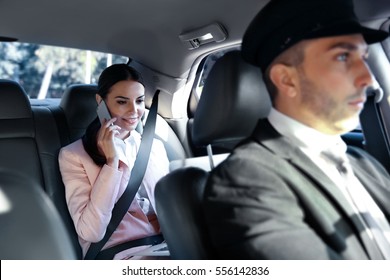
x=210, y=154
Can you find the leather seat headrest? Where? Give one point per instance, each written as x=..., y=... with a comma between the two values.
x=16, y=117
x=14, y=102
x=234, y=97
x=79, y=105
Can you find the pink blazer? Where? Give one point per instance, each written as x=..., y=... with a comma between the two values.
x=91, y=192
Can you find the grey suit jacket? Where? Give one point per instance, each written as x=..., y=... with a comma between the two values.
x=268, y=200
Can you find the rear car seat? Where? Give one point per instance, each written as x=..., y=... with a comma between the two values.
x=37, y=133
x=31, y=227
x=77, y=110
x=49, y=139
x=57, y=126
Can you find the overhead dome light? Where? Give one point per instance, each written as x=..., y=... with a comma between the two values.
x=211, y=33
x=5, y=204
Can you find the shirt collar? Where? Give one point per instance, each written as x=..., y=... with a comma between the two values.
x=134, y=136
x=304, y=136
x=128, y=147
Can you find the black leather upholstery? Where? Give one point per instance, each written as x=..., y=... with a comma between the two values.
x=15, y=120
x=233, y=99
x=79, y=106
x=49, y=142
x=18, y=153
x=35, y=220
x=15, y=104
x=179, y=194
x=31, y=227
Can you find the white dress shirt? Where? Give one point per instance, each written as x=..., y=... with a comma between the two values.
x=310, y=141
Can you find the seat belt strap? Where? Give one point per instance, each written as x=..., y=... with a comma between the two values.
x=109, y=253
x=137, y=174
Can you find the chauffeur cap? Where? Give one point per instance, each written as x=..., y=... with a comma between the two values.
x=283, y=23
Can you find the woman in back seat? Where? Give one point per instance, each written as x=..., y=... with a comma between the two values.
x=97, y=168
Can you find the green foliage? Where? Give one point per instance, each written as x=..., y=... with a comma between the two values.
x=28, y=64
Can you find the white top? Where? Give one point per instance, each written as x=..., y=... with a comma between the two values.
x=310, y=141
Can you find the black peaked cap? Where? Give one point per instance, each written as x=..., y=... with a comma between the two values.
x=283, y=23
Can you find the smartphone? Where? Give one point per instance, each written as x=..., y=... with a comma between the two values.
x=102, y=112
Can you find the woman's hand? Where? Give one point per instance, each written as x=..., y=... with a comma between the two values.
x=106, y=142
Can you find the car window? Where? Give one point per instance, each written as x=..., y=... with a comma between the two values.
x=45, y=71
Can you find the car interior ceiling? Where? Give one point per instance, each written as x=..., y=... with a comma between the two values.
x=158, y=45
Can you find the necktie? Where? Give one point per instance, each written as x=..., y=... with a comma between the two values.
x=376, y=223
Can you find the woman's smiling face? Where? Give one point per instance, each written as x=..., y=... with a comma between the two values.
x=126, y=103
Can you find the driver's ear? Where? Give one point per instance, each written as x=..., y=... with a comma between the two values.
x=284, y=77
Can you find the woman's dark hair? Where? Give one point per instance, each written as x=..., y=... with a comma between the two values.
x=114, y=74
x=109, y=77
